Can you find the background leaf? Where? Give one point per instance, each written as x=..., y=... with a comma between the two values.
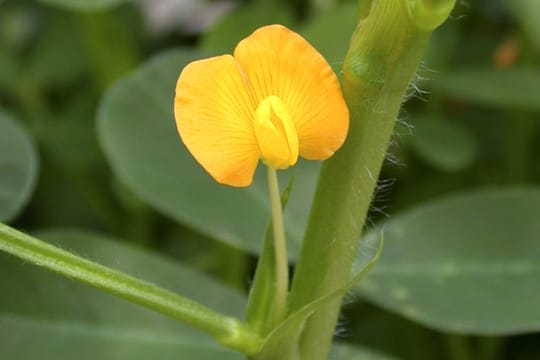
x=342, y=351
x=468, y=263
x=224, y=35
x=330, y=33
x=67, y=320
x=48, y=65
x=374, y=324
x=83, y=5
x=516, y=88
x=137, y=131
x=18, y=167
x=526, y=12
x=441, y=142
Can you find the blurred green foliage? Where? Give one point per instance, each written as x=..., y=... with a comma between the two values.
x=458, y=195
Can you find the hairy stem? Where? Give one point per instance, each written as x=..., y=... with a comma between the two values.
x=383, y=56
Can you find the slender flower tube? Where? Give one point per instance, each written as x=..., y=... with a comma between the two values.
x=275, y=99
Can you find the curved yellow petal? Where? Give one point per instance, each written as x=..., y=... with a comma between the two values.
x=214, y=117
x=277, y=61
x=276, y=135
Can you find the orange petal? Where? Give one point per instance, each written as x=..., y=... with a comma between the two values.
x=277, y=61
x=214, y=117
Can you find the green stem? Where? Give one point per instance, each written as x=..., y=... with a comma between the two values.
x=280, y=248
x=228, y=331
x=384, y=53
x=459, y=347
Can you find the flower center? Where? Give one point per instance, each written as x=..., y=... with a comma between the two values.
x=276, y=133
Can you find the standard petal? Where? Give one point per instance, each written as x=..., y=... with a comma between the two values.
x=277, y=61
x=214, y=117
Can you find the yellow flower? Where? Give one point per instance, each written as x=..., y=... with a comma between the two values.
x=275, y=99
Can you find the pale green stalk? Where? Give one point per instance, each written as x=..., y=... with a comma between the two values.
x=229, y=331
x=280, y=248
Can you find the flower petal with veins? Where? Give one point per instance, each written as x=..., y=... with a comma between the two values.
x=276, y=98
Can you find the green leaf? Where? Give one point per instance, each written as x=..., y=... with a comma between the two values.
x=343, y=351
x=223, y=37
x=84, y=5
x=468, y=263
x=18, y=168
x=516, y=88
x=137, y=131
x=67, y=320
x=330, y=33
x=376, y=328
x=443, y=143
